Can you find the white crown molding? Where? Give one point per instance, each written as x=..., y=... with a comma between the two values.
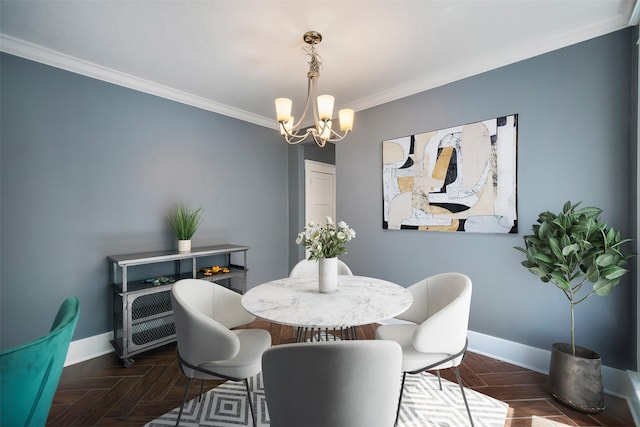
x=37, y=53
x=56, y=59
x=474, y=68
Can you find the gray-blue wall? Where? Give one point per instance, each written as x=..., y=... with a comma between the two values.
x=90, y=169
x=574, y=143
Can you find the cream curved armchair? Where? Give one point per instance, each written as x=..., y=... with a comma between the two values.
x=306, y=268
x=436, y=338
x=332, y=384
x=204, y=313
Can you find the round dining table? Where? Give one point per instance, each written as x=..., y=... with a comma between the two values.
x=297, y=302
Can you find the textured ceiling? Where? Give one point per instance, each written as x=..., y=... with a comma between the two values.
x=235, y=57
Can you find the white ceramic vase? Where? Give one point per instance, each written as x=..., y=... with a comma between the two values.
x=328, y=275
x=184, y=246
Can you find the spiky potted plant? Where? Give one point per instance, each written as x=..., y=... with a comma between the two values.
x=571, y=249
x=185, y=222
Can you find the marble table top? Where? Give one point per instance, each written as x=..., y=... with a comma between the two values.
x=297, y=302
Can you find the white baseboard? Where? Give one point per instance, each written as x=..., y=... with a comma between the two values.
x=633, y=395
x=88, y=348
x=616, y=381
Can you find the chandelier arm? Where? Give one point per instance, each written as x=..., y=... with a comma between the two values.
x=321, y=142
x=295, y=138
x=297, y=126
x=322, y=124
x=338, y=137
x=288, y=133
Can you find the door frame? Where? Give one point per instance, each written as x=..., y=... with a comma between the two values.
x=314, y=166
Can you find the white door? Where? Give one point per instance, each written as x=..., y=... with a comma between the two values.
x=320, y=191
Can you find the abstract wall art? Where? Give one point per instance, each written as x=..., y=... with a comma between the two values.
x=457, y=179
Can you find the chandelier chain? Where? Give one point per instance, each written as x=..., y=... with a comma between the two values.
x=314, y=63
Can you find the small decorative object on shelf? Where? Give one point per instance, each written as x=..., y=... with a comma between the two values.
x=216, y=269
x=325, y=242
x=160, y=280
x=184, y=221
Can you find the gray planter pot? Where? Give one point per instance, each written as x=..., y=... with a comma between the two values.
x=576, y=381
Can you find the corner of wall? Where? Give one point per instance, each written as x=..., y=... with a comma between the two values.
x=633, y=395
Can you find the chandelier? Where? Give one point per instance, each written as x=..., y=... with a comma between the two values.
x=322, y=106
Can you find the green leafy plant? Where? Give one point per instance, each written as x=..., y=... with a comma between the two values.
x=572, y=248
x=185, y=221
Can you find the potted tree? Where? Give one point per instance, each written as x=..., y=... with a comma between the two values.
x=184, y=221
x=569, y=250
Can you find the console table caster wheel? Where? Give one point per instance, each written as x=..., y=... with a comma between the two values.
x=128, y=362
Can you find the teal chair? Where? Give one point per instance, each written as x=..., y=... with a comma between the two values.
x=31, y=372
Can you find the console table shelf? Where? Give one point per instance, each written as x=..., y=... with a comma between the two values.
x=142, y=312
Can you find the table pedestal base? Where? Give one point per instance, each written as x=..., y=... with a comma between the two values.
x=304, y=334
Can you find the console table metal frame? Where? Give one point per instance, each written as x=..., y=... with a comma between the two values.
x=142, y=312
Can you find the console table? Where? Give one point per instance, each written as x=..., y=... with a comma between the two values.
x=141, y=283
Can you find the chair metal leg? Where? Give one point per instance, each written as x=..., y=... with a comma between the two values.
x=404, y=375
x=439, y=380
x=464, y=397
x=184, y=399
x=253, y=417
x=201, y=390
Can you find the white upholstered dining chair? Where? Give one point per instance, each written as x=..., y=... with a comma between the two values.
x=332, y=384
x=436, y=337
x=306, y=268
x=204, y=313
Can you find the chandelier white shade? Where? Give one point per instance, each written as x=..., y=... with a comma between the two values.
x=321, y=106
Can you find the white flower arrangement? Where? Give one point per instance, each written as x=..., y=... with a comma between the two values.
x=325, y=240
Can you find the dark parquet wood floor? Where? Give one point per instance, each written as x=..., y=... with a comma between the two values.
x=101, y=392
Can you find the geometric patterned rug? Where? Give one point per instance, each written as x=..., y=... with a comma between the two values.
x=423, y=404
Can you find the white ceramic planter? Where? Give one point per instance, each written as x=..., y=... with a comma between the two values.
x=184, y=246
